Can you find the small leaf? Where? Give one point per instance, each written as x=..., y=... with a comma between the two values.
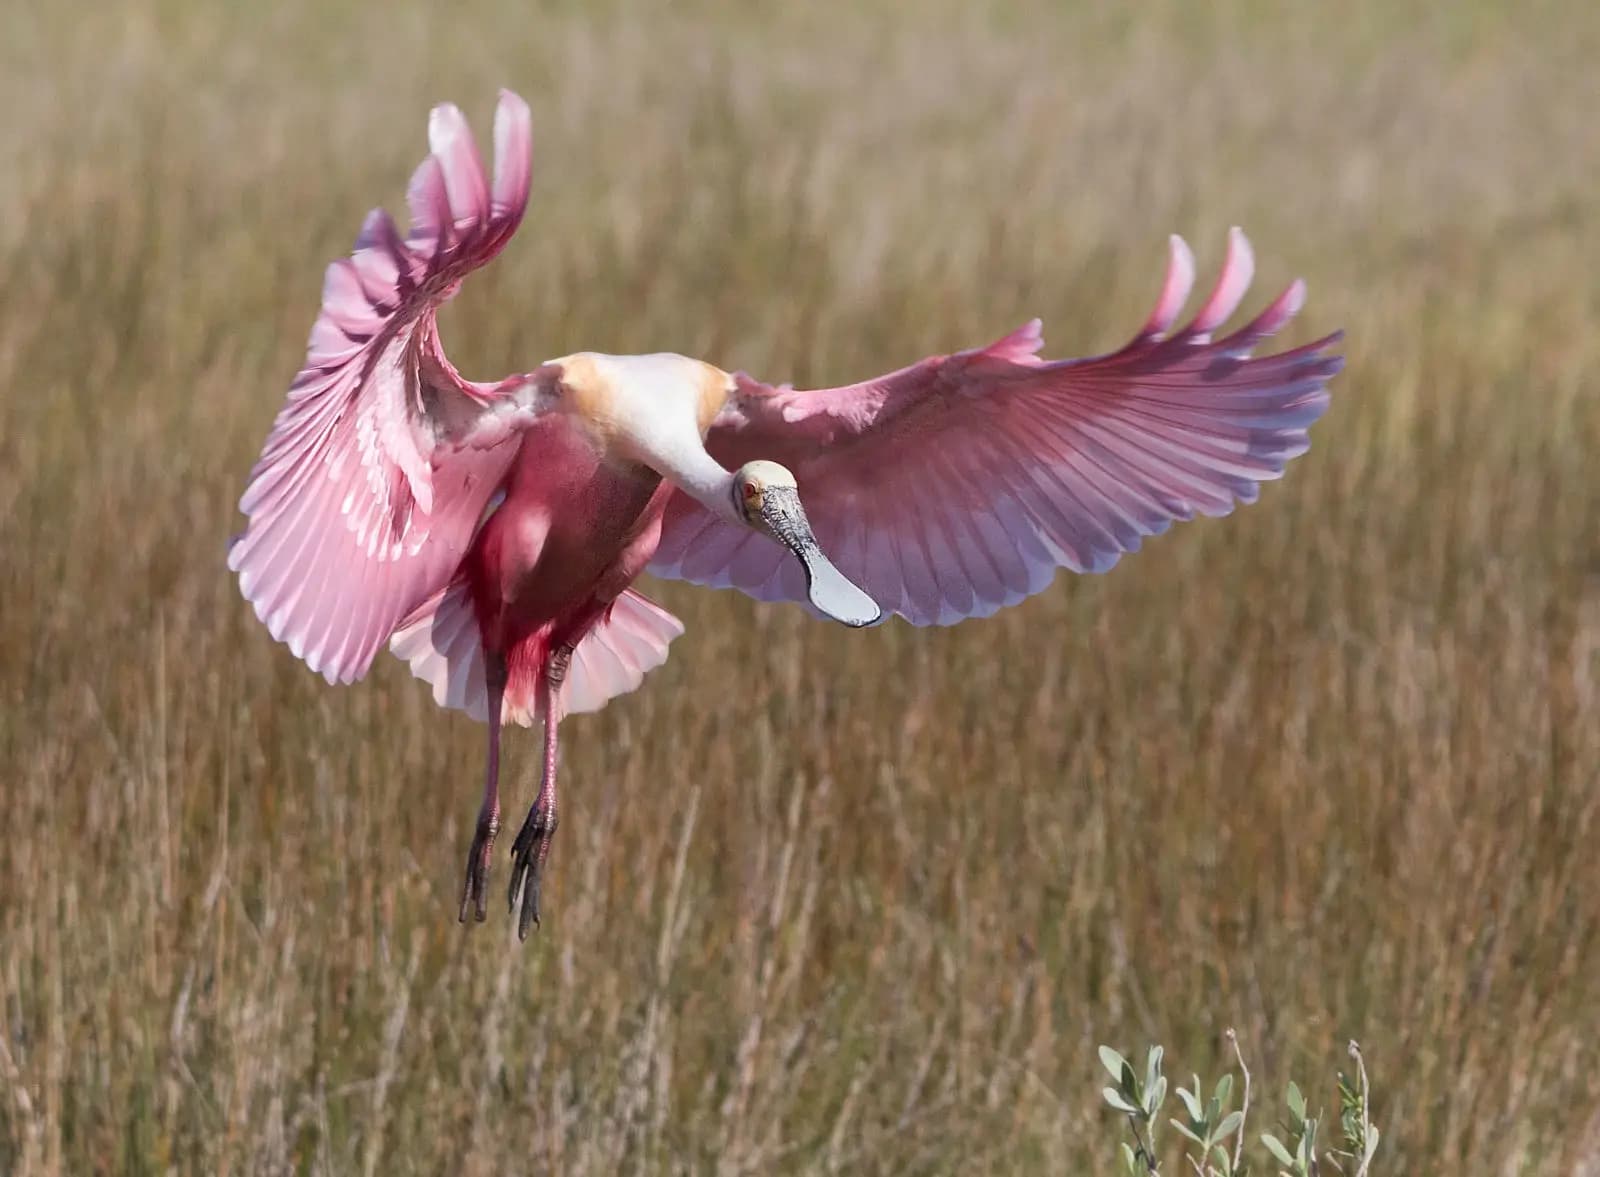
x=1297, y=1103
x=1129, y=1162
x=1192, y=1103
x=1130, y=1085
x=1224, y=1090
x=1117, y=1100
x=1155, y=1095
x=1275, y=1147
x=1186, y=1132
x=1224, y=1161
x=1113, y=1062
x=1230, y=1125
x=1152, y=1066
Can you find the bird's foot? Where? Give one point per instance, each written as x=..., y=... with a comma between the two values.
x=528, y=853
x=475, y=890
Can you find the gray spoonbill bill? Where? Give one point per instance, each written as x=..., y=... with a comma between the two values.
x=490, y=533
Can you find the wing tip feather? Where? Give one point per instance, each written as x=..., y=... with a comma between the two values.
x=1175, y=288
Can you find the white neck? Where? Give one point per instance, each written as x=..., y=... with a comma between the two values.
x=656, y=405
x=699, y=475
x=704, y=480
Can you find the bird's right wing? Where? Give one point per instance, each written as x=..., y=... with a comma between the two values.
x=379, y=466
x=959, y=485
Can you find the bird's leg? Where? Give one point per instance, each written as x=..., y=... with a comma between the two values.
x=475, y=891
x=532, y=846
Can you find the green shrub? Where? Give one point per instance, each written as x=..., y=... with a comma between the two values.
x=1214, y=1134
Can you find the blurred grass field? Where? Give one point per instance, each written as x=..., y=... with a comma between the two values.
x=822, y=901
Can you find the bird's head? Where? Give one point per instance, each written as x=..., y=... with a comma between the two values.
x=767, y=498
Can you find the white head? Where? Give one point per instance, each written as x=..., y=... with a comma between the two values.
x=766, y=498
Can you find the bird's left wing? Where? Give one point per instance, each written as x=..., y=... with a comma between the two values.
x=378, y=469
x=959, y=485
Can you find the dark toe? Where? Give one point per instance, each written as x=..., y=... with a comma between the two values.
x=529, y=919
x=475, y=887
x=528, y=853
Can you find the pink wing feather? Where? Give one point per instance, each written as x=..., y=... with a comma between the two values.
x=959, y=485
x=364, y=499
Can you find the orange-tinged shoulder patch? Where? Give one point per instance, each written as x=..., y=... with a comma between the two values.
x=588, y=394
x=715, y=385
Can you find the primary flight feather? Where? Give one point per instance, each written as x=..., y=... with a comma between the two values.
x=490, y=533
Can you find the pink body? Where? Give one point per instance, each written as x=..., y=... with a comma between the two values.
x=576, y=528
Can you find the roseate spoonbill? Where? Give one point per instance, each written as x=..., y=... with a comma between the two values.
x=491, y=533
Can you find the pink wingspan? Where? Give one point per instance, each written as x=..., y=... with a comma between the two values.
x=356, y=512
x=959, y=485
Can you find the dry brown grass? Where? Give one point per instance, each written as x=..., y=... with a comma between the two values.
x=823, y=901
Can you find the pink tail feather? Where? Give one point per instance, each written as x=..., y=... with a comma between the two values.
x=441, y=643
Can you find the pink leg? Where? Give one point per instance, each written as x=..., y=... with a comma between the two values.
x=474, y=892
x=532, y=846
